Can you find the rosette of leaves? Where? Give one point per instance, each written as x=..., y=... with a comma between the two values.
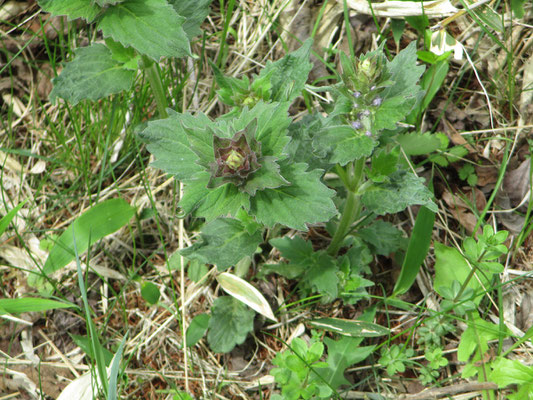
x=239, y=162
x=373, y=96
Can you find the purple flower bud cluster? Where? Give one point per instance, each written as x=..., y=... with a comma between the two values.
x=377, y=101
x=357, y=125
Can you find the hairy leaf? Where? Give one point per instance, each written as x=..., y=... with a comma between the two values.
x=92, y=74
x=343, y=353
x=223, y=242
x=288, y=75
x=305, y=201
x=195, y=12
x=383, y=237
x=346, y=143
x=71, y=8
x=230, y=323
x=405, y=189
x=151, y=27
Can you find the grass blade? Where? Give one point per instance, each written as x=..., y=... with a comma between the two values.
x=416, y=251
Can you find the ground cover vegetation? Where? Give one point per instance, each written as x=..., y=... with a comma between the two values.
x=266, y=200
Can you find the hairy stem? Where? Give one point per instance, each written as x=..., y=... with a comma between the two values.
x=352, y=180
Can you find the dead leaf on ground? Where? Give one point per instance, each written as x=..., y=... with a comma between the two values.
x=460, y=206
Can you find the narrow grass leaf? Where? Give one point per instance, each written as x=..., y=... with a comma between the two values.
x=29, y=304
x=416, y=251
x=245, y=292
x=350, y=327
x=113, y=371
x=6, y=219
x=96, y=223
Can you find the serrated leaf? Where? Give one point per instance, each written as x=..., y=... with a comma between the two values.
x=223, y=242
x=213, y=203
x=322, y=276
x=152, y=27
x=394, y=110
x=92, y=74
x=305, y=201
x=303, y=134
x=71, y=8
x=230, y=323
x=404, y=189
x=197, y=329
x=288, y=75
x=267, y=176
x=343, y=353
x=195, y=12
x=125, y=55
x=294, y=249
x=168, y=141
x=245, y=292
x=94, y=224
x=346, y=143
x=383, y=237
x=350, y=327
x=405, y=73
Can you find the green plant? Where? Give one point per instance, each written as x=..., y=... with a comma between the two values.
x=298, y=372
x=395, y=358
x=255, y=168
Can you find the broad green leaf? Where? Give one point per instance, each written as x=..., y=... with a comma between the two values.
x=303, y=135
x=230, y=323
x=223, y=242
x=398, y=27
x=288, y=75
x=490, y=17
x=6, y=219
x=195, y=12
x=92, y=74
x=507, y=372
x=394, y=109
x=417, y=143
x=343, y=353
x=150, y=292
x=350, y=327
x=405, y=73
x=450, y=265
x=405, y=189
x=245, y=292
x=384, y=163
x=476, y=336
x=125, y=55
x=267, y=177
x=152, y=27
x=71, y=8
x=31, y=304
x=383, y=237
x=322, y=276
x=168, y=141
x=416, y=251
x=295, y=249
x=197, y=329
x=225, y=200
x=94, y=224
x=346, y=143
x=306, y=201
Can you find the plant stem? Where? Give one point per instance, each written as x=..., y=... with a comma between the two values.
x=152, y=73
x=351, y=207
